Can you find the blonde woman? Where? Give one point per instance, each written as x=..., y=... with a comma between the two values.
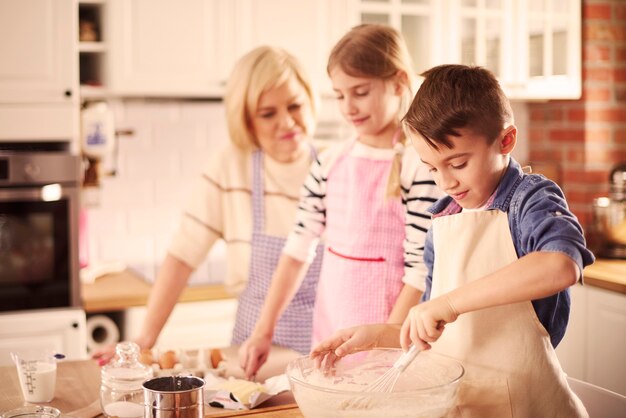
x=247, y=196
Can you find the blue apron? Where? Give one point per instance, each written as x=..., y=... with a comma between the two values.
x=294, y=327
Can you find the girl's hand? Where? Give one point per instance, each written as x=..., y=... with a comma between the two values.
x=253, y=354
x=426, y=322
x=352, y=340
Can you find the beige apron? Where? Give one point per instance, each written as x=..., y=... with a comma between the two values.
x=511, y=367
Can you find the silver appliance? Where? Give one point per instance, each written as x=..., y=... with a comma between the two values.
x=39, y=205
x=609, y=216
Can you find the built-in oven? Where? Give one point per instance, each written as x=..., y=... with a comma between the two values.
x=39, y=205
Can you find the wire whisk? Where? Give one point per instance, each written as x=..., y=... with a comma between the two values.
x=387, y=381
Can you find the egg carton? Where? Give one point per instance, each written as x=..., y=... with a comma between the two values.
x=188, y=361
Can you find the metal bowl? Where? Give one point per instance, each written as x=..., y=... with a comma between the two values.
x=427, y=388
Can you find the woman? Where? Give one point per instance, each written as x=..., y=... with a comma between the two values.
x=247, y=196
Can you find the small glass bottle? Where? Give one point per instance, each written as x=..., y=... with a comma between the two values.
x=121, y=394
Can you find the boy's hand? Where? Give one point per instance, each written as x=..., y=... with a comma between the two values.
x=352, y=340
x=426, y=322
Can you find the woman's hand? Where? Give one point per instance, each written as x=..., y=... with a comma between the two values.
x=352, y=340
x=425, y=322
x=253, y=354
x=104, y=354
x=107, y=353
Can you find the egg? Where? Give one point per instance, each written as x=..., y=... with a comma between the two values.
x=145, y=357
x=216, y=357
x=167, y=360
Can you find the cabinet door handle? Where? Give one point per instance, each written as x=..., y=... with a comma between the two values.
x=68, y=93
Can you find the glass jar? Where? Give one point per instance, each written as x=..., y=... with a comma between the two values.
x=121, y=394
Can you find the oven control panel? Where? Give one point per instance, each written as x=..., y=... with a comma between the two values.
x=25, y=169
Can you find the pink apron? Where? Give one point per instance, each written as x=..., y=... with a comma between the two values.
x=363, y=265
x=511, y=369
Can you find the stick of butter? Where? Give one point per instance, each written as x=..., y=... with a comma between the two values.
x=241, y=389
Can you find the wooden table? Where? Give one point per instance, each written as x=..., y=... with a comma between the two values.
x=78, y=389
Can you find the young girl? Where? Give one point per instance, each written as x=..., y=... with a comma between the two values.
x=357, y=197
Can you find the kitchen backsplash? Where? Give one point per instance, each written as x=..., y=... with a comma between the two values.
x=140, y=206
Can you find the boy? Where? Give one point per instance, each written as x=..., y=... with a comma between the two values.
x=502, y=251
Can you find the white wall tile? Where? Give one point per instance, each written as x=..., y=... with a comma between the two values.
x=152, y=110
x=141, y=205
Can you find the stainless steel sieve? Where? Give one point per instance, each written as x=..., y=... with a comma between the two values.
x=173, y=397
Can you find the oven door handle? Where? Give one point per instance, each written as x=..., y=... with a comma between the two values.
x=31, y=194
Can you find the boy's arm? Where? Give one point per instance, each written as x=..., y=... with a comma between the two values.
x=534, y=276
x=552, y=254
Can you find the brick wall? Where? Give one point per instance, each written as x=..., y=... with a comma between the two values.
x=587, y=137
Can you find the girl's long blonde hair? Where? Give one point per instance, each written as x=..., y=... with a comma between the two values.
x=378, y=51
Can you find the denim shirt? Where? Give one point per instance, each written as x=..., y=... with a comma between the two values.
x=539, y=220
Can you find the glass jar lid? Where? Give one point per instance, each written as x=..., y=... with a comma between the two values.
x=126, y=371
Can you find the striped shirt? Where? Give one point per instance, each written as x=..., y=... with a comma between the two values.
x=418, y=192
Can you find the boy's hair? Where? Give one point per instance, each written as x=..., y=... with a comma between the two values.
x=258, y=71
x=453, y=97
x=377, y=51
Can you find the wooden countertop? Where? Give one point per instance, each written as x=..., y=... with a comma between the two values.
x=78, y=388
x=116, y=292
x=607, y=274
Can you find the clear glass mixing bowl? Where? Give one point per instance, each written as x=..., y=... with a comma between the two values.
x=426, y=389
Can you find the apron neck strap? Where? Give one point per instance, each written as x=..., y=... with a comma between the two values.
x=258, y=206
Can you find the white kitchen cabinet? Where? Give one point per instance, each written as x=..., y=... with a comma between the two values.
x=606, y=339
x=92, y=48
x=419, y=21
x=547, y=52
x=188, y=49
x=60, y=330
x=167, y=48
x=533, y=47
x=593, y=347
x=308, y=29
x=191, y=324
x=38, y=70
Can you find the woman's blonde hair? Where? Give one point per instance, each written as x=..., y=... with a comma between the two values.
x=256, y=72
x=378, y=51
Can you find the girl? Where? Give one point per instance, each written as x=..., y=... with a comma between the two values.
x=356, y=196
